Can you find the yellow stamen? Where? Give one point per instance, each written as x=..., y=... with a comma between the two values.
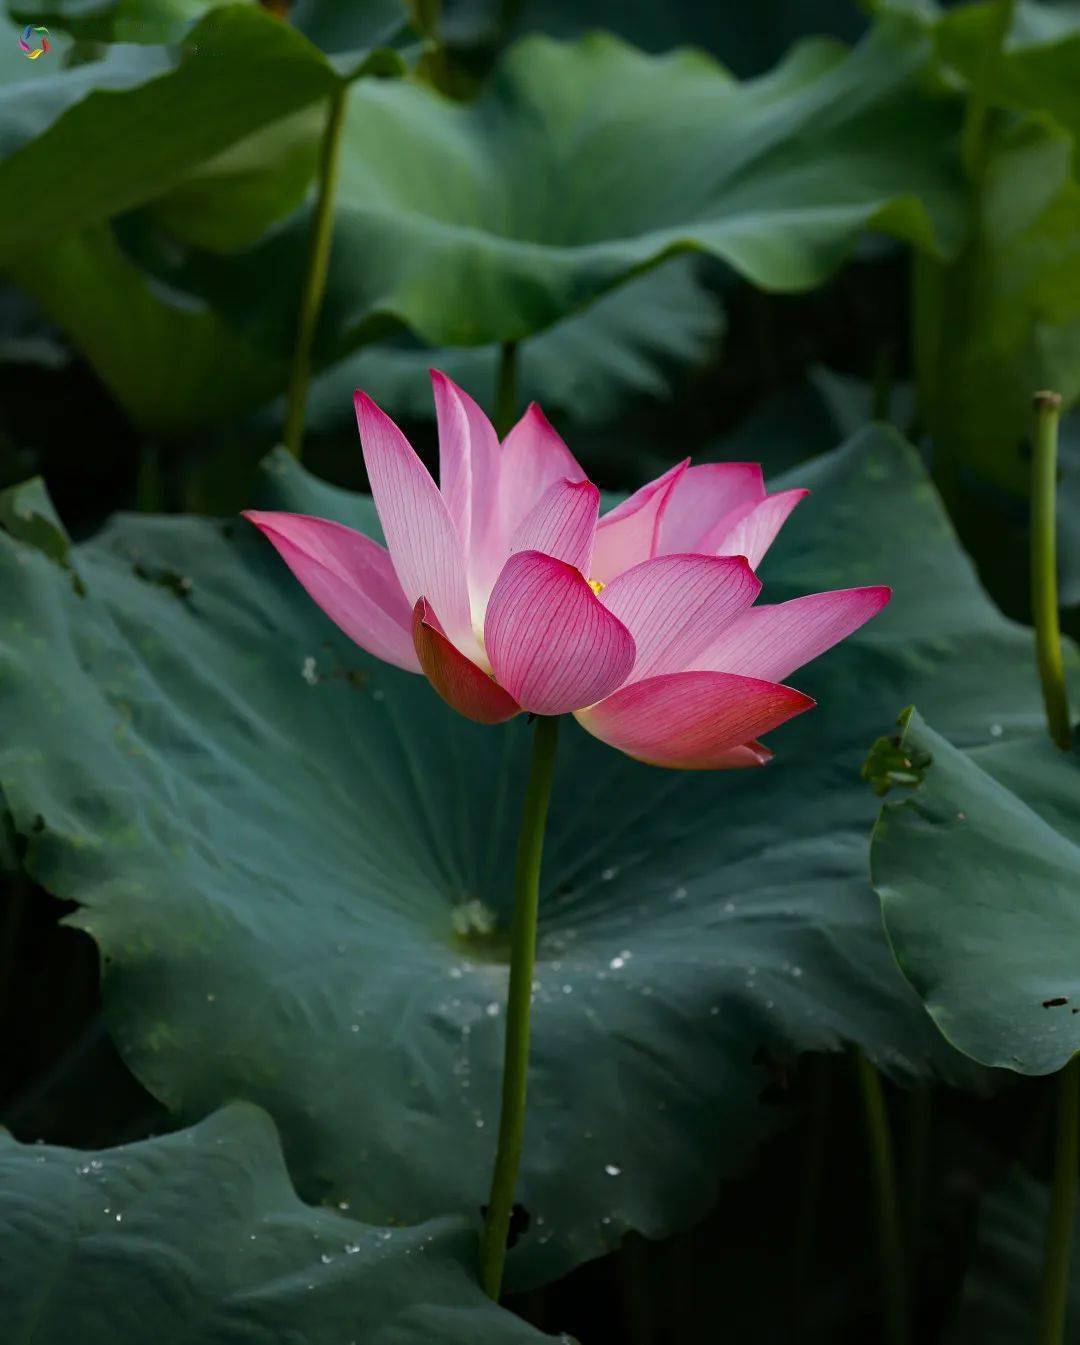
x=597, y=586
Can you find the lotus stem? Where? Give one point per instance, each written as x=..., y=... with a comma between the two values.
x=973, y=136
x=506, y=394
x=919, y=1105
x=519, y=1005
x=149, y=483
x=890, y=1237
x=318, y=262
x=1054, y=1294
x=1044, y=603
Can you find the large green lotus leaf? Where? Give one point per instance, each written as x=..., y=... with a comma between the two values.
x=142, y=21
x=748, y=39
x=1039, y=60
x=170, y=360
x=120, y=131
x=1004, y=319
x=583, y=163
x=978, y=871
x=588, y=367
x=1000, y=1300
x=292, y=858
x=199, y=1236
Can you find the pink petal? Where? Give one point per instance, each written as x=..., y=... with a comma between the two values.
x=421, y=537
x=350, y=577
x=562, y=525
x=533, y=459
x=756, y=530
x=704, y=498
x=676, y=606
x=464, y=686
x=469, y=476
x=455, y=454
x=630, y=533
x=692, y=720
x=772, y=641
x=551, y=642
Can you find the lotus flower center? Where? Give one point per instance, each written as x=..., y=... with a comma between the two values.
x=597, y=585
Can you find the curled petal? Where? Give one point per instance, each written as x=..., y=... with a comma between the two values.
x=457, y=679
x=756, y=530
x=562, y=525
x=350, y=577
x=630, y=532
x=421, y=536
x=533, y=459
x=712, y=495
x=551, y=642
x=772, y=641
x=676, y=606
x=691, y=720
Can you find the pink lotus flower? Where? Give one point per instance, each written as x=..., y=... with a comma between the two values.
x=510, y=593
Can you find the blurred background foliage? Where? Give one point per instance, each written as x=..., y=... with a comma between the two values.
x=727, y=230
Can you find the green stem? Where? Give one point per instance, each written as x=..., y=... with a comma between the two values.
x=973, y=137
x=813, y=1178
x=890, y=1238
x=318, y=261
x=149, y=484
x=519, y=1003
x=1044, y=605
x=917, y=1156
x=634, y=1289
x=1054, y=1295
x=506, y=394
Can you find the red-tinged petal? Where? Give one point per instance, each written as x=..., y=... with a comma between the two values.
x=706, y=497
x=457, y=679
x=756, y=530
x=630, y=532
x=420, y=534
x=772, y=641
x=469, y=479
x=562, y=525
x=350, y=577
x=676, y=606
x=534, y=457
x=551, y=642
x=691, y=720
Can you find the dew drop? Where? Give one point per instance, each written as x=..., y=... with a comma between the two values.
x=608, y=874
x=612, y=1169
x=326, y=1258
x=492, y=1009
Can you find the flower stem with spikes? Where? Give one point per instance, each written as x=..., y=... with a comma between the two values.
x=519, y=1004
x=1054, y=1292
x=889, y=1231
x=318, y=262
